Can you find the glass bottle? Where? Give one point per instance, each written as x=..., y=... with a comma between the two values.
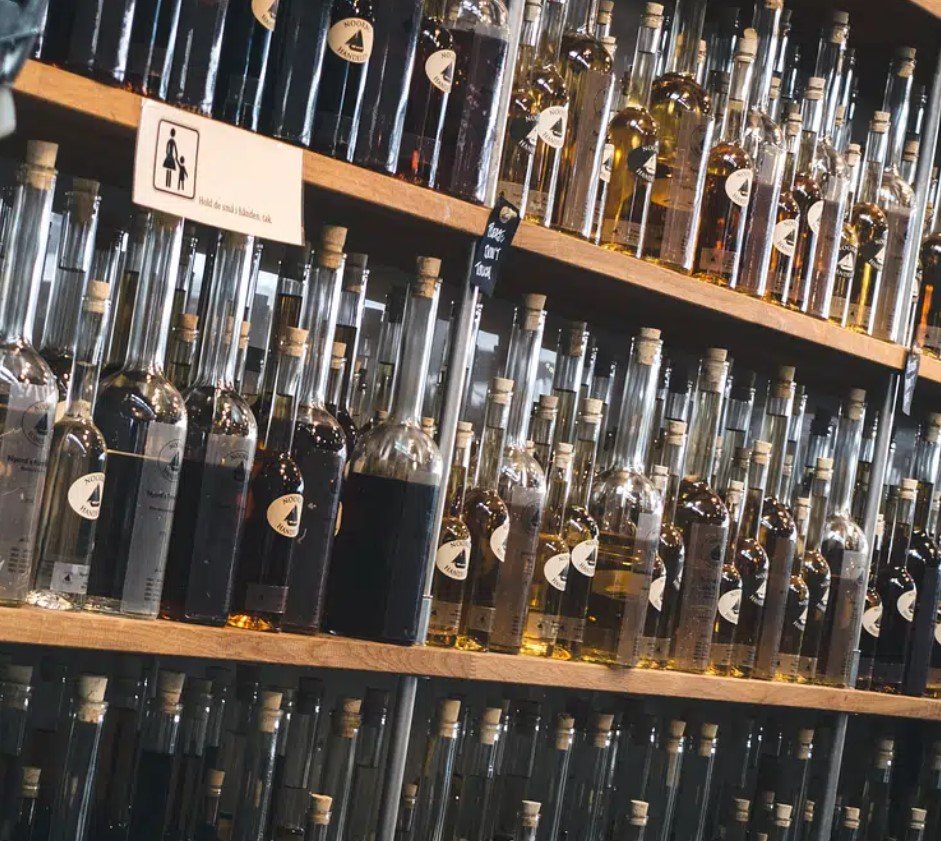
x=528, y=821
x=664, y=778
x=704, y=521
x=346, y=60
x=367, y=775
x=628, y=511
x=319, y=449
x=522, y=483
x=143, y=420
x=681, y=107
x=551, y=777
x=77, y=461
x=869, y=222
x=487, y=519
x=207, y=823
x=787, y=661
x=181, y=349
x=478, y=766
x=928, y=312
x=730, y=173
x=150, y=53
x=390, y=343
x=916, y=824
x=819, y=445
x=28, y=409
x=76, y=244
x=591, y=760
x=100, y=37
x=846, y=550
x=275, y=504
x=737, y=423
x=696, y=784
x=566, y=382
x=784, y=238
x=480, y=39
x=634, y=135
x=434, y=788
x=217, y=456
x=849, y=825
x=339, y=760
x=448, y=583
x=405, y=821
x=189, y=256
x=581, y=535
x=875, y=796
x=254, y=788
x=396, y=470
x=542, y=430
x=588, y=70
x=125, y=294
x=243, y=62
x=195, y=68
x=516, y=765
x=318, y=817
x=898, y=595
x=29, y=816
x=348, y=327
x=729, y=606
x=872, y=612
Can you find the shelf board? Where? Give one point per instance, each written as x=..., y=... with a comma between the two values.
x=30, y=626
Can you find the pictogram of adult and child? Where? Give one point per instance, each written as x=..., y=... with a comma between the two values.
x=177, y=148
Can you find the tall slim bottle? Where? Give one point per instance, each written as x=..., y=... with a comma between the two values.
x=552, y=773
x=704, y=520
x=628, y=510
x=696, y=784
x=348, y=329
x=395, y=471
x=27, y=412
x=589, y=77
x=846, y=549
x=125, y=293
x=77, y=462
x=195, y=68
x=434, y=787
x=220, y=447
x=320, y=444
x=522, y=484
x=517, y=763
x=566, y=382
x=367, y=775
x=390, y=345
x=100, y=37
x=254, y=788
x=591, y=760
x=336, y=775
x=634, y=135
x=243, y=62
x=183, y=804
x=477, y=771
x=150, y=54
x=542, y=428
x=681, y=107
x=143, y=420
x=318, y=817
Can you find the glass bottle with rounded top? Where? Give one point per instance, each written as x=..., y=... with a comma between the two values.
x=124, y=294
x=377, y=574
x=543, y=425
x=77, y=461
x=660, y=478
x=390, y=342
x=335, y=404
x=628, y=510
x=784, y=238
x=730, y=588
x=487, y=519
x=221, y=438
x=872, y=611
x=567, y=380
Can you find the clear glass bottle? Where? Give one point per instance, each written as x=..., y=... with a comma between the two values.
x=434, y=787
x=516, y=763
x=581, y=534
x=27, y=411
x=552, y=773
x=846, y=550
x=566, y=381
x=681, y=107
x=390, y=343
x=634, y=135
x=915, y=830
x=590, y=764
x=100, y=37
x=664, y=778
x=730, y=173
x=696, y=784
x=628, y=510
x=542, y=428
x=452, y=558
x=488, y=521
x=784, y=237
x=339, y=760
x=150, y=53
x=143, y=420
x=737, y=423
x=250, y=821
x=320, y=443
x=221, y=439
x=195, y=68
x=181, y=350
x=480, y=38
x=588, y=70
x=396, y=470
x=30, y=817
x=348, y=328
x=77, y=463
x=729, y=605
x=76, y=244
x=275, y=503
x=875, y=795
x=872, y=612
x=367, y=775
x=704, y=520
x=318, y=817
x=787, y=662
x=125, y=294
x=478, y=767
x=405, y=821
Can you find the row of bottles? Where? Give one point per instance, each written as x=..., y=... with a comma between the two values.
x=118, y=749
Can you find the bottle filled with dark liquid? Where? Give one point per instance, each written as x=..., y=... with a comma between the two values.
x=243, y=62
x=29, y=818
x=217, y=456
x=124, y=295
x=153, y=38
x=346, y=60
x=143, y=420
x=195, y=68
x=99, y=36
x=275, y=503
x=335, y=395
x=320, y=442
x=377, y=574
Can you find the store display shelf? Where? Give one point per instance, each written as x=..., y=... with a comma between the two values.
x=29, y=626
x=56, y=92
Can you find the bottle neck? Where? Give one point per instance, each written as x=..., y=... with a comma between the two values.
x=557, y=495
x=846, y=458
x=581, y=16
x=811, y=115
x=754, y=499
x=707, y=413
x=528, y=47
x=644, y=67
x=777, y=420
x=674, y=456
x=320, y=310
x=633, y=433
x=689, y=16
x=733, y=126
x=86, y=364
x=790, y=162
x=457, y=481
x=876, y=145
x=334, y=391
x=491, y=447
x=583, y=461
x=901, y=533
x=767, y=23
x=223, y=312
x=417, y=331
x=522, y=362
x=819, y=499
x=897, y=95
x=279, y=436
x=553, y=25
x=830, y=55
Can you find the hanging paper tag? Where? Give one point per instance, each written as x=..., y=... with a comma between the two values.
x=493, y=247
x=912, y=363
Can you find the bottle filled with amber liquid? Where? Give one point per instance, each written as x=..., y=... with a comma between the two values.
x=218, y=454
x=787, y=221
x=275, y=503
x=728, y=607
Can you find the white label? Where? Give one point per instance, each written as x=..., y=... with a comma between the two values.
x=85, y=495
x=265, y=12
x=556, y=570
x=738, y=186
x=69, y=578
x=439, y=68
x=351, y=39
x=284, y=514
x=498, y=539
x=657, y=586
x=784, y=237
x=550, y=128
x=801, y=622
x=872, y=619
x=813, y=216
x=729, y=605
x=585, y=556
x=878, y=259
x=906, y=604
x=937, y=633
x=607, y=162
x=183, y=165
x=847, y=263
x=452, y=558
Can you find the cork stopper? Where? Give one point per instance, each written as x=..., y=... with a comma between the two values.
x=293, y=342
x=429, y=270
x=41, y=153
x=761, y=452
x=564, y=731
x=808, y=811
x=709, y=731
x=840, y=18
x=734, y=491
x=409, y=794
x=91, y=688
x=639, y=810
x=96, y=297
x=652, y=17
x=741, y=810
x=348, y=720
x=908, y=488
x=677, y=728
x=786, y=373
x=857, y=395
x=529, y=813
x=244, y=329
x=851, y=817
x=84, y=198
x=319, y=812
x=814, y=87
x=532, y=11
x=563, y=455
x=29, y=782
x=533, y=301
x=187, y=324
x=464, y=434
x=801, y=507
x=169, y=689
x=647, y=346
x=853, y=153
x=338, y=355
x=747, y=46
x=782, y=814
x=382, y=415
x=905, y=53
x=649, y=333
x=449, y=711
x=910, y=150
x=591, y=409
x=880, y=122
x=548, y=403
x=501, y=391
x=356, y=260
x=676, y=431
x=330, y=252
x=917, y=819
x=774, y=92
x=823, y=470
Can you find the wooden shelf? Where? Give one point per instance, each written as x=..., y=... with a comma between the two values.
x=30, y=626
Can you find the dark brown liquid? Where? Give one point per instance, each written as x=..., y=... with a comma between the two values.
x=153, y=36
x=100, y=35
x=195, y=67
x=242, y=67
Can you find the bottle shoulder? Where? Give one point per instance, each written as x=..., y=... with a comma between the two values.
x=279, y=468
x=398, y=450
x=727, y=157
x=750, y=557
x=866, y=217
x=519, y=469
x=815, y=566
x=141, y=396
x=219, y=412
x=635, y=119
x=699, y=502
x=316, y=426
x=777, y=517
x=581, y=52
x=675, y=91
x=78, y=436
x=434, y=36
x=21, y=363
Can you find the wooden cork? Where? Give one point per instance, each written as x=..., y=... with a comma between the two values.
x=214, y=780
x=169, y=688
x=96, y=296
x=639, y=810
x=338, y=354
x=92, y=688
x=320, y=806
x=187, y=324
x=21, y=675
x=244, y=330
x=294, y=340
x=529, y=813
x=332, y=241
x=85, y=198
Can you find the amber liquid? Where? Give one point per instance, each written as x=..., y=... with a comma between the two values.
x=545, y=598
x=807, y=193
x=580, y=529
x=781, y=267
x=929, y=301
x=870, y=225
x=752, y=565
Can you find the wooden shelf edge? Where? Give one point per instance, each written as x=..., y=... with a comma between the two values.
x=30, y=626
x=931, y=6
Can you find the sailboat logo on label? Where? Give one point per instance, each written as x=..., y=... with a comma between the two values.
x=351, y=39
x=85, y=495
x=284, y=514
x=35, y=423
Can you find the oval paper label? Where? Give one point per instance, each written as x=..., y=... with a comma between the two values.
x=351, y=39
x=451, y=559
x=284, y=514
x=556, y=570
x=85, y=495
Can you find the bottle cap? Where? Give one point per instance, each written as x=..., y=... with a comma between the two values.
x=338, y=355
x=347, y=721
x=786, y=373
x=449, y=710
x=187, y=325
x=649, y=333
x=853, y=154
x=677, y=728
x=676, y=431
x=905, y=53
x=330, y=252
x=639, y=810
x=293, y=341
x=652, y=18
x=320, y=806
x=761, y=451
x=774, y=92
x=410, y=793
x=880, y=122
x=808, y=811
x=96, y=297
x=910, y=151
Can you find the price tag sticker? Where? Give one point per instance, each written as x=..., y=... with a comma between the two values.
x=493, y=247
x=910, y=378
x=217, y=174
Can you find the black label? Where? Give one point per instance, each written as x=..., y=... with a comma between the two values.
x=264, y=598
x=493, y=247
x=522, y=131
x=642, y=161
x=910, y=377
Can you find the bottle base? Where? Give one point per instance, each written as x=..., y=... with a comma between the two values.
x=51, y=600
x=249, y=622
x=113, y=607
